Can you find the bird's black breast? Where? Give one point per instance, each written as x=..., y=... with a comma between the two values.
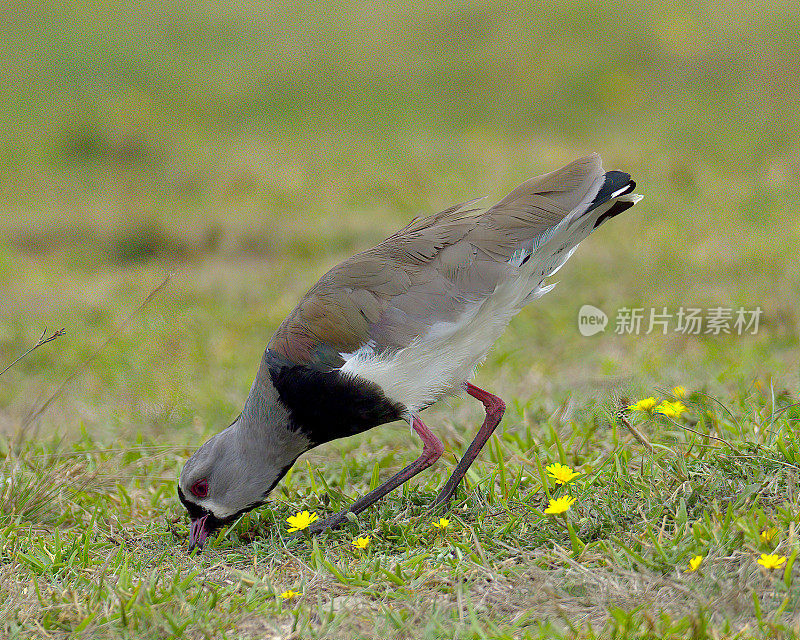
x=326, y=405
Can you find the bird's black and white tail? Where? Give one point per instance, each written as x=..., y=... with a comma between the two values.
x=615, y=185
x=610, y=195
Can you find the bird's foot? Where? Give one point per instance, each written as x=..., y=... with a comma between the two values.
x=332, y=522
x=440, y=507
x=441, y=504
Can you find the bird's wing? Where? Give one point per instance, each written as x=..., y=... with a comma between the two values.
x=425, y=276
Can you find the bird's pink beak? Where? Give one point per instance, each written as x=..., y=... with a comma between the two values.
x=198, y=533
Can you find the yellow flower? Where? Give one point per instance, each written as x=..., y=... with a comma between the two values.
x=561, y=473
x=645, y=404
x=443, y=524
x=767, y=534
x=560, y=505
x=679, y=407
x=679, y=392
x=288, y=595
x=301, y=520
x=361, y=543
x=695, y=562
x=772, y=561
x=671, y=409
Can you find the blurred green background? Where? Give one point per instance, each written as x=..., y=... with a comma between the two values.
x=249, y=146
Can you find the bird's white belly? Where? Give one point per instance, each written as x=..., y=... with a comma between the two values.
x=439, y=363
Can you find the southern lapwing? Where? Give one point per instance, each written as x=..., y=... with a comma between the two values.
x=387, y=333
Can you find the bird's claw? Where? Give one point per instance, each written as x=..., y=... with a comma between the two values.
x=440, y=507
x=332, y=522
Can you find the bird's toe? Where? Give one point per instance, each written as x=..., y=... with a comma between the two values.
x=331, y=522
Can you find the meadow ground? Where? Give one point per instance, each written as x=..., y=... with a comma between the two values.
x=170, y=150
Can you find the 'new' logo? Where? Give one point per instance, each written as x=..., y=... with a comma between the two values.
x=591, y=320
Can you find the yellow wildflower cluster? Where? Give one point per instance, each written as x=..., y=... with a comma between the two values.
x=767, y=560
x=665, y=407
x=562, y=474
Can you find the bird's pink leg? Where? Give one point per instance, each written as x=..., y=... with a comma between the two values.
x=432, y=449
x=495, y=408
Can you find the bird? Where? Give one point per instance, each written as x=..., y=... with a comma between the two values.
x=390, y=331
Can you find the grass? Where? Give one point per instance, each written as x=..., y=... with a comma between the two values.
x=246, y=150
x=93, y=537
x=94, y=541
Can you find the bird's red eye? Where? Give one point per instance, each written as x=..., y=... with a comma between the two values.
x=200, y=488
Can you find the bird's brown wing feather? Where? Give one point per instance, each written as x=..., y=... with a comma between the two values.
x=428, y=272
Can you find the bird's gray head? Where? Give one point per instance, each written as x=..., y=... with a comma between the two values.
x=236, y=469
